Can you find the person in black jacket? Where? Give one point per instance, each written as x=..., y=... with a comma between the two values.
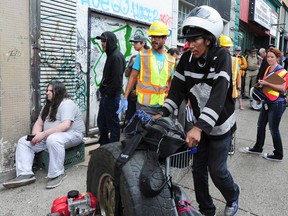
x=204, y=74
x=110, y=89
x=264, y=64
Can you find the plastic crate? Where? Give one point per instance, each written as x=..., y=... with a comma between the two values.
x=73, y=156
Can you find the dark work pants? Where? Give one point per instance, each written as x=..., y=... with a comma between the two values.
x=108, y=120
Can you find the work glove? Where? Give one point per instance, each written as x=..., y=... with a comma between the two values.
x=123, y=105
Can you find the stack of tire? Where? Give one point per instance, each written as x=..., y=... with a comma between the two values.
x=100, y=177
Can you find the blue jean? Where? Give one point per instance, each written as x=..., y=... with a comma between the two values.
x=272, y=116
x=212, y=155
x=108, y=120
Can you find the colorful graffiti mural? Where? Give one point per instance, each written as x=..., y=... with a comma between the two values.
x=137, y=16
x=127, y=8
x=124, y=32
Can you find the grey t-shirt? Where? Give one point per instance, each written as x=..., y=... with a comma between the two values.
x=67, y=110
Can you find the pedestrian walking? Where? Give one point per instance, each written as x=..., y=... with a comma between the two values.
x=243, y=66
x=272, y=109
x=206, y=79
x=226, y=42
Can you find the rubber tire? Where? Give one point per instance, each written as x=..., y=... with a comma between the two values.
x=102, y=162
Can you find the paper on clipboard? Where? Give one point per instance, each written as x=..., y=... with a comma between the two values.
x=274, y=79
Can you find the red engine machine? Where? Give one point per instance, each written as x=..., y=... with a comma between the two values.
x=74, y=204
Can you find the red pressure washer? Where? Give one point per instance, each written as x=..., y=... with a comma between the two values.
x=74, y=204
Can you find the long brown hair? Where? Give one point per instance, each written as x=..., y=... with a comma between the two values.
x=51, y=107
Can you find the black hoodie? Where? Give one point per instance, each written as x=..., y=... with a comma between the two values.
x=111, y=83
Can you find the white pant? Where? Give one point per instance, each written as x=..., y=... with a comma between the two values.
x=55, y=143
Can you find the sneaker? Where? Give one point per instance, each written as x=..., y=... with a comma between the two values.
x=241, y=108
x=231, y=151
x=55, y=182
x=251, y=150
x=231, y=210
x=271, y=157
x=19, y=181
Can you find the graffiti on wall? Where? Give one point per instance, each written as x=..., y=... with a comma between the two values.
x=13, y=54
x=124, y=8
x=124, y=32
x=145, y=11
x=167, y=19
x=58, y=59
x=140, y=11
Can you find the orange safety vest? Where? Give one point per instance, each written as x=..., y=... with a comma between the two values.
x=272, y=94
x=235, y=71
x=152, y=84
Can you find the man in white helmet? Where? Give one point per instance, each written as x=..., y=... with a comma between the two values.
x=204, y=75
x=152, y=73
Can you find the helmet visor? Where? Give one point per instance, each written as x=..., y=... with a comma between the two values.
x=200, y=12
x=190, y=32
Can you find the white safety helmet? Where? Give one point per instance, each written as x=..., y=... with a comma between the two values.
x=202, y=18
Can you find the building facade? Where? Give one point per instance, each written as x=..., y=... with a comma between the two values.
x=51, y=39
x=258, y=23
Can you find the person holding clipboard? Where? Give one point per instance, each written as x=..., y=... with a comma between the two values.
x=274, y=86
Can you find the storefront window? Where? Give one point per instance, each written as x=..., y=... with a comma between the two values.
x=184, y=10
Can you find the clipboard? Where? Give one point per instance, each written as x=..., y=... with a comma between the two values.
x=274, y=79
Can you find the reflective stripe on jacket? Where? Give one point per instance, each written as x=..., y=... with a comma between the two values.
x=271, y=94
x=152, y=84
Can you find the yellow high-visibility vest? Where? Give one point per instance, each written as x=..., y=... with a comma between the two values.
x=152, y=84
x=235, y=71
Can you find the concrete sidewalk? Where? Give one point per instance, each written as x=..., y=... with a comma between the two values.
x=264, y=187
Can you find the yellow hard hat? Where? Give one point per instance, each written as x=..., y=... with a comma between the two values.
x=158, y=28
x=225, y=41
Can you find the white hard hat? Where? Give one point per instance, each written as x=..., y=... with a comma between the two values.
x=201, y=20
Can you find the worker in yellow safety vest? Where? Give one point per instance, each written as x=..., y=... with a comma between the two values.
x=227, y=43
x=152, y=72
